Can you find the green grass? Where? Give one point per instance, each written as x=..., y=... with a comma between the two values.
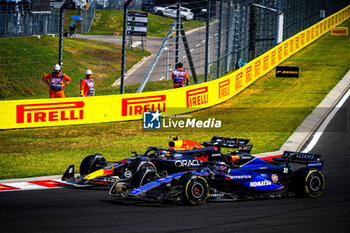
x=24, y=60
x=110, y=22
x=267, y=112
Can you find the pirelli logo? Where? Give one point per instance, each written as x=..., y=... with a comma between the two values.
x=249, y=74
x=239, y=79
x=291, y=46
x=321, y=28
x=297, y=46
x=266, y=62
x=257, y=68
x=280, y=53
x=302, y=39
x=49, y=112
x=273, y=58
x=224, y=88
x=307, y=36
x=340, y=31
x=286, y=49
x=196, y=97
x=138, y=105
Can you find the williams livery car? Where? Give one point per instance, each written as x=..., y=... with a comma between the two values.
x=182, y=155
x=240, y=177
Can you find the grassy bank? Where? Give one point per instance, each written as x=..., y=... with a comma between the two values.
x=110, y=22
x=24, y=60
x=267, y=112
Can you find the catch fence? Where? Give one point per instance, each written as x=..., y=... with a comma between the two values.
x=238, y=32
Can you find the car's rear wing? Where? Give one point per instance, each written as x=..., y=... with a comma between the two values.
x=310, y=160
x=226, y=142
x=245, y=148
x=298, y=156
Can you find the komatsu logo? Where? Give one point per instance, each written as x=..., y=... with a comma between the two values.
x=50, y=112
x=138, y=105
x=196, y=97
x=260, y=183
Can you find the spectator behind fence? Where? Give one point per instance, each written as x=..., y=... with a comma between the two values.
x=72, y=27
x=87, y=85
x=179, y=76
x=57, y=81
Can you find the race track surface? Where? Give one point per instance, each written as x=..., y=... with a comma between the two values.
x=77, y=210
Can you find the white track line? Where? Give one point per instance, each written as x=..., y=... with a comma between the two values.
x=323, y=126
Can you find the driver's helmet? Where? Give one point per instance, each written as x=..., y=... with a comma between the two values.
x=162, y=154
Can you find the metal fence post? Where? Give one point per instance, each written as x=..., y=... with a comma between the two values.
x=122, y=76
x=178, y=25
x=166, y=49
x=150, y=69
x=279, y=22
x=206, y=68
x=60, y=41
x=252, y=33
x=227, y=63
x=219, y=43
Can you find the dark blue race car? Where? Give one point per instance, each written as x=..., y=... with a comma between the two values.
x=240, y=177
x=182, y=155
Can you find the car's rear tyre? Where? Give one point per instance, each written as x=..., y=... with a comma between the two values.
x=143, y=176
x=308, y=183
x=195, y=189
x=92, y=163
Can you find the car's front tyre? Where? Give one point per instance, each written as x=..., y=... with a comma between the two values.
x=195, y=190
x=92, y=163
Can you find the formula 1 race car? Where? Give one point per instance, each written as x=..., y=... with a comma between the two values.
x=180, y=156
x=292, y=174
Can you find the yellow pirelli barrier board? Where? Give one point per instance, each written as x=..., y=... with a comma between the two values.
x=70, y=111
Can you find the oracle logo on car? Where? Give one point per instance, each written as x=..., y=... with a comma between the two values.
x=49, y=112
x=138, y=105
x=197, y=97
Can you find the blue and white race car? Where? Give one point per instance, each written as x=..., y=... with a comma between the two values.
x=240, y=177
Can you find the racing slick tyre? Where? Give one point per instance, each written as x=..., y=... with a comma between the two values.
x=195, y=189
x=92, y=163
x=143, y=176
x=308, y=183
x=138, y=164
